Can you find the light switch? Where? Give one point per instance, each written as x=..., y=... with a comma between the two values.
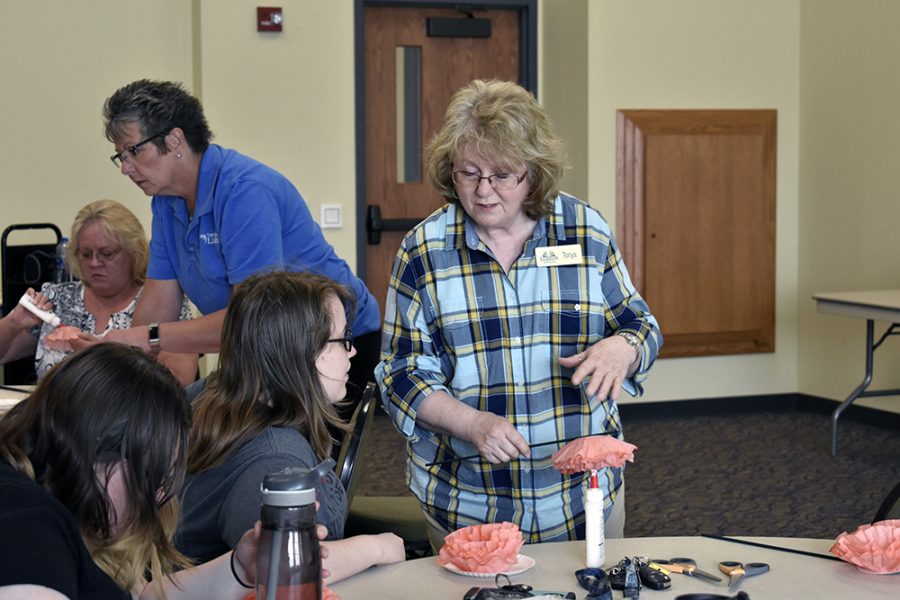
x=330, y=216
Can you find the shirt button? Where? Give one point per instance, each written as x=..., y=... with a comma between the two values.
x=577, y=307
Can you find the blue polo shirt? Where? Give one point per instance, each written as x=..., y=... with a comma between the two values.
x=248, y=218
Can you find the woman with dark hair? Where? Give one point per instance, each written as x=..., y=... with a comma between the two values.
x=90, y=466
x=108, y=257
x=218, y=217
x=284, y=362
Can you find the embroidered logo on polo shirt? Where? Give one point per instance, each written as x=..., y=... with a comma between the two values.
x=210, y=238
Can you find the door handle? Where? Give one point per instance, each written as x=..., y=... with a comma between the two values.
x=375, y=224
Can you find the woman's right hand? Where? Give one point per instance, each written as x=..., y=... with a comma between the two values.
x=496, y=439
x=24, y=318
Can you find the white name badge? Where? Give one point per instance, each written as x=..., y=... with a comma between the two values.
x=554, y=256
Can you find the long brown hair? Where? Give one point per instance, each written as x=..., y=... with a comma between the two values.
x=275, y=327
x=105, y=406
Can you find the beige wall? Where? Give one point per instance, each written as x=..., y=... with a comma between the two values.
x=704, y=54
x=849, y=204
x=827, y=66
x=59, y=61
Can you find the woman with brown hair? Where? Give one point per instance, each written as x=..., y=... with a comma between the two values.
x=90, y=465
x=284, y=363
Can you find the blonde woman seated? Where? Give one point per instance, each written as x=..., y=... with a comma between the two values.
x=283, y=365
x=108, y=254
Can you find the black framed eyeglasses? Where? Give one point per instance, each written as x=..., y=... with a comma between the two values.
x=347, y=340
x=498, y=181
x=131, y=151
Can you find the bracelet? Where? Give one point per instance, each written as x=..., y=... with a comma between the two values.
x=236, y=576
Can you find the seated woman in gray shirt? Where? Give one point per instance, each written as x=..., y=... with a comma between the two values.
x=283, y=365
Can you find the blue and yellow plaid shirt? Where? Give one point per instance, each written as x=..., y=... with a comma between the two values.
x=456, y=322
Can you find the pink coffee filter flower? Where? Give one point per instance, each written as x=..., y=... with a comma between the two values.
x=60, y=338
x=488, y=548
x=592, y=453
x=874, y=548
x=329, y=594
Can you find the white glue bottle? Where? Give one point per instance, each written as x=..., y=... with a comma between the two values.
x=595, y=544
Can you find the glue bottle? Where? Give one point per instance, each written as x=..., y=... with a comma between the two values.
x=594, y=536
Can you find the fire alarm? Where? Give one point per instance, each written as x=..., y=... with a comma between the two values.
x=269, y=18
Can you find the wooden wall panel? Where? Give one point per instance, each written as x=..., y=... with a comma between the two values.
x=696, y=224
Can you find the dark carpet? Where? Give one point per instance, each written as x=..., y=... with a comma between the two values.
x=759, y=473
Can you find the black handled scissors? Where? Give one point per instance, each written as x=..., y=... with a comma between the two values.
x=737, y=571
x=685, y=566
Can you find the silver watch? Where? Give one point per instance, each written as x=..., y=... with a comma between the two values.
x=633, y=340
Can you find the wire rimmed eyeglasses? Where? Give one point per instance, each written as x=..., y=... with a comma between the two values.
x=129, y=152
x=103, y=254
x=346, y=341
x=498, y=181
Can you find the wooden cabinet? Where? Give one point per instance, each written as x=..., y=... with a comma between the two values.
x=696, y=224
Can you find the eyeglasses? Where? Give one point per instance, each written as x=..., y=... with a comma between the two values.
x=103, y=254
x=347, y=340
x=498, y=181
x=131, y=151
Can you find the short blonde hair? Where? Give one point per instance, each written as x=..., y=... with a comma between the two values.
x=120, y=224
x=504, y=123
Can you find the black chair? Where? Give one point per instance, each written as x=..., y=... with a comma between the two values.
x=400, y=515
x=890, y=508
x=355, y=441
x=24, y=266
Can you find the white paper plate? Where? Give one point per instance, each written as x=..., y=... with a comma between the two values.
x=868, y=572
x=520, y=566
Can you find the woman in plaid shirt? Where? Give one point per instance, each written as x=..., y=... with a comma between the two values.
x=510, y=321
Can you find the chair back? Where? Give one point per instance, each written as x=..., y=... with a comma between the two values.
x=890, y=507
x=355, y=441
x=25, y=266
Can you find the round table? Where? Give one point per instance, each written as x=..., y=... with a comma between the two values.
x=792, y=576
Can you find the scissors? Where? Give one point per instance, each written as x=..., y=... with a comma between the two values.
x=737, y=571
x=685, y=566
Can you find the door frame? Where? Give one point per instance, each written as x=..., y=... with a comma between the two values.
x=527, y=75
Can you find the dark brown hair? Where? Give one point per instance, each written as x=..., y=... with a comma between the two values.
x=275, y=327
x=108, y=405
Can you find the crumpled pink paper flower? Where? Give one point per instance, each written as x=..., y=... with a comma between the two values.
x=60, y=338
x=488, y=548
x=874, y=548
x=592, y=453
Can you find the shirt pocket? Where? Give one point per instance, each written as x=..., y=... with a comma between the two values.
x=573, y=319
x=462, y=333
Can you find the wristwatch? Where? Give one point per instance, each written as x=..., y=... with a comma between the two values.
x=153, y=337
x=633, y=340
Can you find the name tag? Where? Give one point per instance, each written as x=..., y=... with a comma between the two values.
x=555, y=256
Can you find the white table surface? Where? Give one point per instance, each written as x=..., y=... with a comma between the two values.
x=879, y=305
x=792, y=576
x=9, y=398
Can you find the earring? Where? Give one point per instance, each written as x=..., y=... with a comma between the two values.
x=178, y=155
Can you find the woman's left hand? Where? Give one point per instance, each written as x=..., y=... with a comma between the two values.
x=606, y=363
x=245, y=552
x=85, y=340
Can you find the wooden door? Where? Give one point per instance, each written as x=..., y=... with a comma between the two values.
x=440, y=65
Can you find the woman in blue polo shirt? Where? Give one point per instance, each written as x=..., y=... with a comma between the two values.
x=218, y=217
